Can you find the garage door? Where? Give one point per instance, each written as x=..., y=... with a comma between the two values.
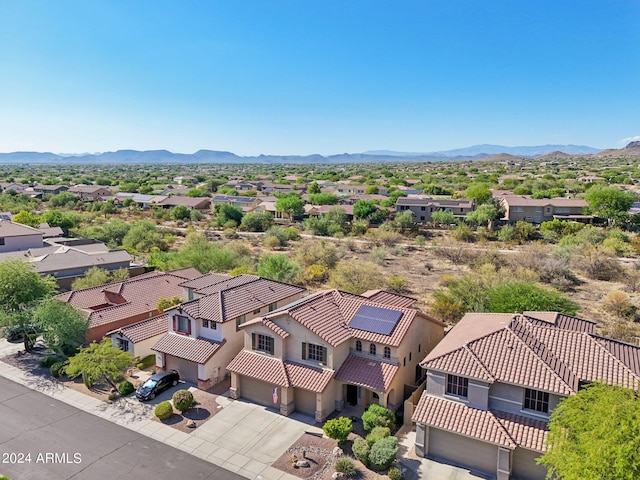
x=257, y=391
x=188, y=370
x=463, y=451
x=305, y=402
x=524, y=465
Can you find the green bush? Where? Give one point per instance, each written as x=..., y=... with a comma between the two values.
x=395, y=474
x=146, y=362
x=113, y=396
x=338, y=428
x=383, y=453
x=57, y=368
x=163, y=410
x=345, y=465
x=378, y=433
x=378, y=416
x=125, y=388
x=360, y=449
x=49, y=360
x=182, y=400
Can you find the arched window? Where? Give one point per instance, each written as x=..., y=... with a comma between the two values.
x=372, y=349
x=358, y=346
x=387, y=352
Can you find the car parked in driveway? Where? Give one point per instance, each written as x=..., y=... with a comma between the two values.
x=157, y=383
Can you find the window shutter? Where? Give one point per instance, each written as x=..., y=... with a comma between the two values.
x=253, y=341
x=304, y=351
x=324, y=355
x=188, y=326
x=271, y=342
x=175, y=324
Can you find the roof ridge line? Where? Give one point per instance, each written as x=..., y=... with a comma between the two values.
x=477, y=359
x=504, y=430
x=608, y=352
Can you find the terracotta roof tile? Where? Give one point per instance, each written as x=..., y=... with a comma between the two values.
x=389, y=298
x=500, y=428
x=205, y=280
x=146, y=329
x=267, y=323
x=284, y=374
x=367, y=373
x=198, y=350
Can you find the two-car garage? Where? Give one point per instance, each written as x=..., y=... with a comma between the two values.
x=460, y=450
x=261, y=393
x=188, y=370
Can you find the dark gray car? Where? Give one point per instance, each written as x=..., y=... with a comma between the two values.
x=157, y=383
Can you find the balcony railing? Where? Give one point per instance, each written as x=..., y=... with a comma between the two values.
x=379, y=358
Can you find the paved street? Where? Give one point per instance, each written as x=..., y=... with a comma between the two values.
x=35, y=424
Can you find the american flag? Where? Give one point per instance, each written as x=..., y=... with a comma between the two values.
x=275, y=395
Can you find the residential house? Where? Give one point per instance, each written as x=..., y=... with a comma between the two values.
x=16, y=237
x=204, y=333
x=90, y=192
x=181, y=180
x=344, y=189
x=494, y=380
x=50, y=189
x=195, y=203
x=333, y=348
x=118, y=304
x=319, y=210
x=525, y=208
x=423, y=206
x=138, y=338
x=16, y=187
x=247, y=204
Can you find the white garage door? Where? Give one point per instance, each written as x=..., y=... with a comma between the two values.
x=305, y=402
x=258, y=392
x=188, y=370
x=525, y=467
x=463, y=451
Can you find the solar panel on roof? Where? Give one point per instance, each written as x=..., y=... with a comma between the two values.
x=375, y=319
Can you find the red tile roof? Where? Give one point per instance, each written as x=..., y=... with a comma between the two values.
x=198, y=350
x=492, y=426
x=267, y=323
x=284, y=374
x=534, y=353
x=205, y=280
x=367, y=373
x=389, y=298
x=146, y=329
x=119, y=300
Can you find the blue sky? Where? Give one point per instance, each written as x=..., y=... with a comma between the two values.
x=306, y=76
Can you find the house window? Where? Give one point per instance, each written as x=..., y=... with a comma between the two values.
x=409, y=356
x=358, y=346
x=419, y=347
x=317, y=353
x=458, y=386
x=123, y=344
x=387, y=352
x=536, y=400
x=239, y=321
x=517, y=209
x=423, y=208
x=256, y=311
x=190, y=295
x=262, y=343
x=213, y=325
x=372, y=349
x=205, y=323
x=181, y=324
x=273, y=306
x=1, y=240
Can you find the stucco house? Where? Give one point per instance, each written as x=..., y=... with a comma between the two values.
x=203, y=333
x=331, y=349
x=523, y=207
x=15, y=237
x=90, y=192
x=118, y=304
x=494, y=380
x=422, y=207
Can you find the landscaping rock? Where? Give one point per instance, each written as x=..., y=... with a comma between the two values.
x=302, y=464
x=337, y=475
x=191, y=424
x=337, y=451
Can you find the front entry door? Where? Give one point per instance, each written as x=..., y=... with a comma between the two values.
x=352, y=395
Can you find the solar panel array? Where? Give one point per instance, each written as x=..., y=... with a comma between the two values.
x=376, y=319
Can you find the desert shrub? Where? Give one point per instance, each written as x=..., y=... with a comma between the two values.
x=378, y=416
x=355, y=276
x=272, y=242
x=164, y=410
x=619, y=304
x=316, y=273
x=147, y=361
x=360, y=449
x=383, y=453
x=378, y=433
x=359, y=227
x=456, y=253
x=57, y=368
x=317, y=252
x=338, y=428
x=463, y=233
x=599, y=266
x=513, y=296
x=292, y=233
x=395, y=474
x=278, y=267
x=182, y=400
x=384, y=238
x=446, y=308
x=346, y=466
x=618, y=247
x=397, y=284
x=507, y=233
x=125, y=388
x=420, y=240
x=379, y=255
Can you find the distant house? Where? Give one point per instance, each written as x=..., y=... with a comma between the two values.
x=319, y=210
x=495, y=379
x=90, y=192
x=422, y=207
x=116, y=305
x=525, y=208
x=16, y=237
x=247, y=204
x=184, y=179
x=333, y=348
x=203, y=333
x=343, y=189
x=16, y=187
x=195, y=203
x=50, y=189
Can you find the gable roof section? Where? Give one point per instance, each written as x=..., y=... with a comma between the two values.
x=526, y=201
x=534, y=352
x=12, y=229
x=389, y=298
x=561, y=320
x=367, y=373
x=146, y=329
x=198, y=350
x=492, y=426
x=205, y=280
x=232, y=301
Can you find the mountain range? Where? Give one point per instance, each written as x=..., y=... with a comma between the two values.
x=213, y=156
